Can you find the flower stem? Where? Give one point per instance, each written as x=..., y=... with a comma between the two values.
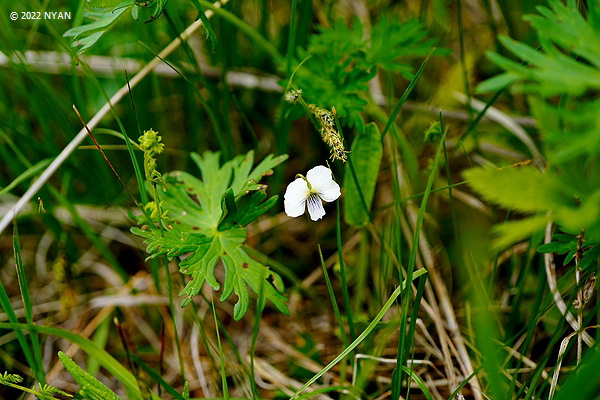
x=343, y=274
x=336, y=310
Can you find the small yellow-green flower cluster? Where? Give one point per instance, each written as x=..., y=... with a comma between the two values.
x=152, y=208
x=434, y=132
x=329, y=133
x=150, y=142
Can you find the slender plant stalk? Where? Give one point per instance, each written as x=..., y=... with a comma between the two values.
x=415, y=247
x=345, y=294
x=252, y=33
x=223, y=375
x=405, y=95
x=260, y=305
x=463, y=61
x=212, y=115
x=446, y=162
x=291, y=38
x=336, y=310
x=580, y=302
x=172, y=309
x=37, y=366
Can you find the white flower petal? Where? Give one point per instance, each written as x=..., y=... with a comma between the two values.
x=315, y=207
x=319, y=177
x=330, y=192
x=294, y=199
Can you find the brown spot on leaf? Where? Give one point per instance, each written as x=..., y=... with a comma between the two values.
x=245, y=265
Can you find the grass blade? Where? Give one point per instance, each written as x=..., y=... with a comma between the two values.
x=415, y=246
x=405, y=95
x=221, y=358
x=38, y=367
x=364, y=334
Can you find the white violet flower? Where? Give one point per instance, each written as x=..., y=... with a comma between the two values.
x=309, y=191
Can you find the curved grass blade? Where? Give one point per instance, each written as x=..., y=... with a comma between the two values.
x=363, y=335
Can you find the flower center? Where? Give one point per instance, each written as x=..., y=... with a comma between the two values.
x=313, y=199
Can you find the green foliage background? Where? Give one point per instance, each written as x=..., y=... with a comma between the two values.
x=491, y=220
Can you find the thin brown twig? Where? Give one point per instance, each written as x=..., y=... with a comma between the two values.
x=580, y=303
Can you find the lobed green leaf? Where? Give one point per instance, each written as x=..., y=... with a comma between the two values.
x=207, y=218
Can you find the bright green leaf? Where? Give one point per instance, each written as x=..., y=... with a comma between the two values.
x=90, y=387
x=208, y=216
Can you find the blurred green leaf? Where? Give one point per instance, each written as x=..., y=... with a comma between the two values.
x=342, y=62
x=555, y=247
x=522, y=189
x=511, y=232
x=551, y=71
x=28, y=173
x=109, y=4
x=566, y=27
x=365, y=154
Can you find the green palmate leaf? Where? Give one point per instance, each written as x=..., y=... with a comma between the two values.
x=209, y=217
x=90, y=387
x=366, y=156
